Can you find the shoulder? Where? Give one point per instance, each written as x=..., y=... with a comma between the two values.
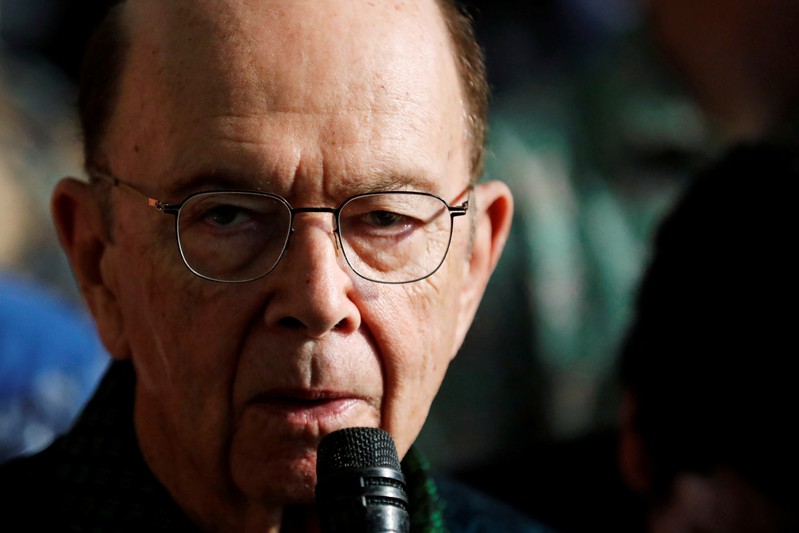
x=467, y=510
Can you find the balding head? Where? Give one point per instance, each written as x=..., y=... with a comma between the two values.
x=109, y=48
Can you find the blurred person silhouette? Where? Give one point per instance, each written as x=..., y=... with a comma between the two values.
x=594, y=141
x=707, y=436
x=737, y=60
x=50, y=355
x=284, y=232
x=596, y=148
x=597, y=126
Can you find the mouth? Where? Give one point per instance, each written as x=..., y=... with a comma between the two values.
x=301, y=406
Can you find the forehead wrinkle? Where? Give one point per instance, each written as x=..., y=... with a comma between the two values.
x=337, y=126
x=235, y=71
x=262, y=52
x=280, y=162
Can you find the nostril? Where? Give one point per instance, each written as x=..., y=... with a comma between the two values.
x=291, y=323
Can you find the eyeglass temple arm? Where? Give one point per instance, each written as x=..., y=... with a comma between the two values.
x=171, y=209
x=458, y=210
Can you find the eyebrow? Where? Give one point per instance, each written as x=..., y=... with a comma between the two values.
x=215, y=180
x=224, y=180
x=388, y=182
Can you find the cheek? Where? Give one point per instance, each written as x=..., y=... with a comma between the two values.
x=167, y=304
x=186, y=346
x=416, y=322
x=179, y=360
x=417, y=329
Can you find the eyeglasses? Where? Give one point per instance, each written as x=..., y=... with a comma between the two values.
x=238, y=236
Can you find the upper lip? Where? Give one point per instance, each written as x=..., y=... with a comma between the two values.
x=302, y=395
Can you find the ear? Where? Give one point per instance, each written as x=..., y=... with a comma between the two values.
x=634, y=463
x=494, y=204
x=86, y=241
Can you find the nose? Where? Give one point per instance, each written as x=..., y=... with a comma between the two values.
x=312, y=284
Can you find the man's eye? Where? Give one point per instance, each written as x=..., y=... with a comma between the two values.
x=225, y=215
x=384, y=219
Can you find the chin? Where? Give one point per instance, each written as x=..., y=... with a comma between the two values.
x=291, y=484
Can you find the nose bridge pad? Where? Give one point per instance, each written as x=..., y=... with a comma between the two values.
x=334, y=234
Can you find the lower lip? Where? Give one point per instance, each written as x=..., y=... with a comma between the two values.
x=302, y=412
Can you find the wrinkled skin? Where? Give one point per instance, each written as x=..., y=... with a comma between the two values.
x=315, y=101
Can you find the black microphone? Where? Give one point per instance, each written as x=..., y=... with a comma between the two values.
x=360, y=487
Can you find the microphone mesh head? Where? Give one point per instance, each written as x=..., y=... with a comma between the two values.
x=356, y=448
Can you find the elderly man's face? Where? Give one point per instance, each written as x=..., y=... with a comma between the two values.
x=314, y=101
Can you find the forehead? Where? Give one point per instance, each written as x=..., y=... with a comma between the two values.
x=290, y=74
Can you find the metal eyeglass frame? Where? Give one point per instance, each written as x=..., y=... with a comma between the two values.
x=174, y=210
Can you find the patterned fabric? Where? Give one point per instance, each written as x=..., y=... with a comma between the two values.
x=94, y=479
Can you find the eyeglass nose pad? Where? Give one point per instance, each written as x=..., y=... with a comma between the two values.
x=334, y=235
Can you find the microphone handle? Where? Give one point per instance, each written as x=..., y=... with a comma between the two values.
x=366, y=500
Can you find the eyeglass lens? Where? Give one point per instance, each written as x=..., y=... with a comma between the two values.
x=393, y=237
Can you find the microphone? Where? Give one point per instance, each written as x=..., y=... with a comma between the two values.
x=360, y=487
